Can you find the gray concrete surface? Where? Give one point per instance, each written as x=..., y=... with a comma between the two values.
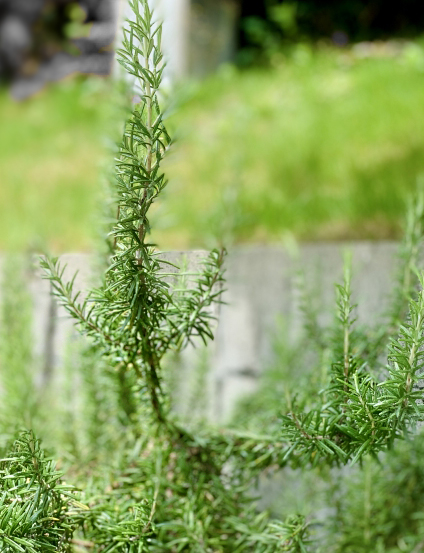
x=261, y=287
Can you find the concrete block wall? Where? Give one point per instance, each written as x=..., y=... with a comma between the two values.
x=261, y=287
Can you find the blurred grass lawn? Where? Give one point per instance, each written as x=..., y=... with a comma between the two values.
x=51, y=150
x=323, y=146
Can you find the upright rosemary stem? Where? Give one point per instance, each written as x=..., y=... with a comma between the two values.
x=149, y=125
x=149, y=107
x=346, y=323
x=346, y=354
x=152, y=378
x=414, y=348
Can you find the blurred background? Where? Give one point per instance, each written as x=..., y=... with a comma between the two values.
x=293, y=120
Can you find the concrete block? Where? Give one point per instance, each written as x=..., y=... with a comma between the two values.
x=261, y=288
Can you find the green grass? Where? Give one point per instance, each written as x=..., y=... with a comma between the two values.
x=323, y=146
x=51, y=150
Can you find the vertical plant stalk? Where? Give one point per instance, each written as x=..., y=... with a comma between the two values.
x=345, y=311
x=416, y=343
x=135, y=316
x=367, y=502
x=49, y=341
x=364, y=405
x=149, y=147
x=409, y=259
x=346, y=351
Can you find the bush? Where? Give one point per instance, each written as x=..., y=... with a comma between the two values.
x=149, y=482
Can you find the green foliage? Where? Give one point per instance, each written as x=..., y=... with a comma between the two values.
x=290, y=535
x=381, y=507
x=40, y=513
x=51, y=148
x=137, y=316
x=328, y=147
x=120, y=518
x=378, y=504
x=364, y=393
x=358, y=414
x=37, y=509
x=268, y=38
x=280, y=23
x=134, y=316
x=198, y=493
x=150, y=481
x=18, y=405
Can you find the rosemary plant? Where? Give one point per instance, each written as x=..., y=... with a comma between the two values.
x=380, y=508
x=19, y=405
x=135, y=317
x=364, y=406
x=153, y=484
x=37, y=509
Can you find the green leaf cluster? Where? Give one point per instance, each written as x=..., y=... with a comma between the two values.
x=37, y=508
x=364, y=404
x=380, y=507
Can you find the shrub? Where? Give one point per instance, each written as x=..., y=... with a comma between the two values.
x=149, y=482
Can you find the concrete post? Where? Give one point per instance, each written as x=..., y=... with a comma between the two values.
x=176, y=18
x=198, y=35
x=175, y=15
x=213, y=25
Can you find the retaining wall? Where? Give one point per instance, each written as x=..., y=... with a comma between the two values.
x=261, y=288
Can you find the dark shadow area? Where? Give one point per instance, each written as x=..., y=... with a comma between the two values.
x=265, y=23
x=45, y=40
